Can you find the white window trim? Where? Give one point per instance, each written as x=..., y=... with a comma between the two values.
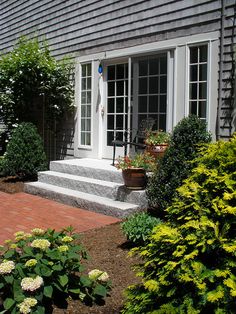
x=209, y=50
x=80, y=146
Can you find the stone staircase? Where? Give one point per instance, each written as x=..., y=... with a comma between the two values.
x=91, y=184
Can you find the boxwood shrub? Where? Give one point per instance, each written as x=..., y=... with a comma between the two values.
x=190, y=261
x=25, y=155
x=186, y=137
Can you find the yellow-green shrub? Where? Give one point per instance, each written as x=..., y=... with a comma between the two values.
x=190, y=262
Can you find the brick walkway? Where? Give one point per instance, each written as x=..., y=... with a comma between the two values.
x=23, y=211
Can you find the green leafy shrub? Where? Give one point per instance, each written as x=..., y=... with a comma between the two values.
x=34, y=86
x=25, y=155
x=138, y=227
x=190, y=261
x=35, y=267
x=174, y=167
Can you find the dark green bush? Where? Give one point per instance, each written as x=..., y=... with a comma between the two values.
x=25, y=155
x=175, y=165
x=190, y=260
x=138, y=227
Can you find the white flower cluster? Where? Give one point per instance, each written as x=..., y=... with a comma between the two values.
x=63, y=248
x=6, y=267
x=67, y=239
x=37, y=231
x=42, y=244
x=25, y=306
x=97, y=274
x=31, y=284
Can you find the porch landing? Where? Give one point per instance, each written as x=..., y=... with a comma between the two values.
x=90, y=184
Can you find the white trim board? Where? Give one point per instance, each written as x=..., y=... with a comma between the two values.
x=151, y=47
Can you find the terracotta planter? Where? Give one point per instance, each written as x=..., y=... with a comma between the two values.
x=135, y=178
x=157, y=151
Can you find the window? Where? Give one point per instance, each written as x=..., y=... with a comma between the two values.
x=198, y=81
x=85, y=106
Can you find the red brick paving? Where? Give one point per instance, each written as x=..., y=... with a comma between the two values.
x=24, y=212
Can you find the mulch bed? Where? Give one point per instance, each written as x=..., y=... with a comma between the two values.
x=108, y=250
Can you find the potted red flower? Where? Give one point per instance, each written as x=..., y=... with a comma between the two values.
x=134, y=170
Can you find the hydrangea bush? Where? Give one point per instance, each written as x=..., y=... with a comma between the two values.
x=37, y=265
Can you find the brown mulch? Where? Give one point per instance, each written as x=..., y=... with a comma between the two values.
x=11, y=185
x=108, y=250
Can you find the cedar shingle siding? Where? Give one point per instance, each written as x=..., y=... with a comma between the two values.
x=79, y=27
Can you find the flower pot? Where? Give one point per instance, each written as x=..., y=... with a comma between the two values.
x=135, y=178
x=157, y=151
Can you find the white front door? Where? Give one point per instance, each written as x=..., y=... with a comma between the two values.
x=116, y=108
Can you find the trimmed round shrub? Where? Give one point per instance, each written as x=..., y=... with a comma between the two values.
x=175, y=166
x=25, y=155
x=190, y=261
x=138, y=227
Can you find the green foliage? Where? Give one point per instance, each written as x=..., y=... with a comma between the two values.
x=34, y=267
x=32, y=81
x=25, y=155
x=190, y=260
x=138, y=227
x=157, y=138
x=174, y=167
x=142, y=160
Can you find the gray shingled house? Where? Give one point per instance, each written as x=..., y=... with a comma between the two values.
x=134, y=59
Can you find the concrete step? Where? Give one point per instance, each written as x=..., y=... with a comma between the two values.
x=82, y=200
x=103, y=188
x=82, y=184
x=90, y=168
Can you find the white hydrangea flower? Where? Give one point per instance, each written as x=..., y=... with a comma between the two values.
x=63, y=248
x=42, y=244
x=31, y=284
x=67, y=239
x=7, y=267
x=97, y=274
x=25, y=306
x=31, y=262
x=38, y=231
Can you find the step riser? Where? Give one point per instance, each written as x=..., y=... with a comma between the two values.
x=83, y=186
x=81, y=203
x=112, y=176
x=133, y=197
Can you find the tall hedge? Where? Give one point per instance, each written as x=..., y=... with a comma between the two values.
x=186, y=137
x=190, y=261
x=25, y=155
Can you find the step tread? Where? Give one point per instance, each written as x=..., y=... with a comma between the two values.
x=88, y=197
x=80, y=178
x=100, y=164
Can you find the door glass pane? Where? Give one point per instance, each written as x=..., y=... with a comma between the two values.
x=111, y=104
x=111, y=88
x=153, y=85
x=193, y=73
x=111, y=72
x=143, y=68
x=120, y=71
x=154, y=66
x=142, y=104
x=202, y=72
x=120, y=105
x=153, y=103
x=85, y=94
x=143, y=86
x=116, y=99
x=152, y=89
